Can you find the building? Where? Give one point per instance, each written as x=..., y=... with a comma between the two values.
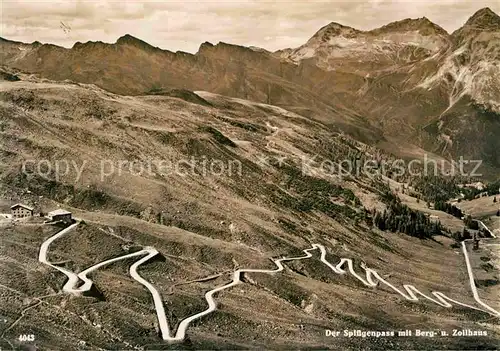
x=478, y=185
x=21, y=211
x=60, y=215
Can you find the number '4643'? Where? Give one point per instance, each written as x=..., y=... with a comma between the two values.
x=26, y=337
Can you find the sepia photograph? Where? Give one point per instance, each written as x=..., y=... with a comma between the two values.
x=249, y=175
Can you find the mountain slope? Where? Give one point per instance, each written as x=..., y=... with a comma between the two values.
x=440, y=91
x=407, y=83
x=231, y=191
x=130, y=66
x=470, y=76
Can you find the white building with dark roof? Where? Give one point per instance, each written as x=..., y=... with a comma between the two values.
x=21, y=210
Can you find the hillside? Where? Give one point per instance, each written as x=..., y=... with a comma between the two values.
x=407, y=84
x=133, y=67
x=214, y=183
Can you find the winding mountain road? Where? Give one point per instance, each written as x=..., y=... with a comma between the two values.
x=486, y=228
x=371, y=279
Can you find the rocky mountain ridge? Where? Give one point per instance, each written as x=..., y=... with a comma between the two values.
x=339, y=47
x=442, y=90
x=409, y=81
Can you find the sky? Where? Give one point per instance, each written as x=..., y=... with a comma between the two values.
x=184, y=25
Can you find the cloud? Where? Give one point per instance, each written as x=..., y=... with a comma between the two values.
x=183, y=25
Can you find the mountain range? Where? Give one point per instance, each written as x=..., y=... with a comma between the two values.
x=407, y=83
